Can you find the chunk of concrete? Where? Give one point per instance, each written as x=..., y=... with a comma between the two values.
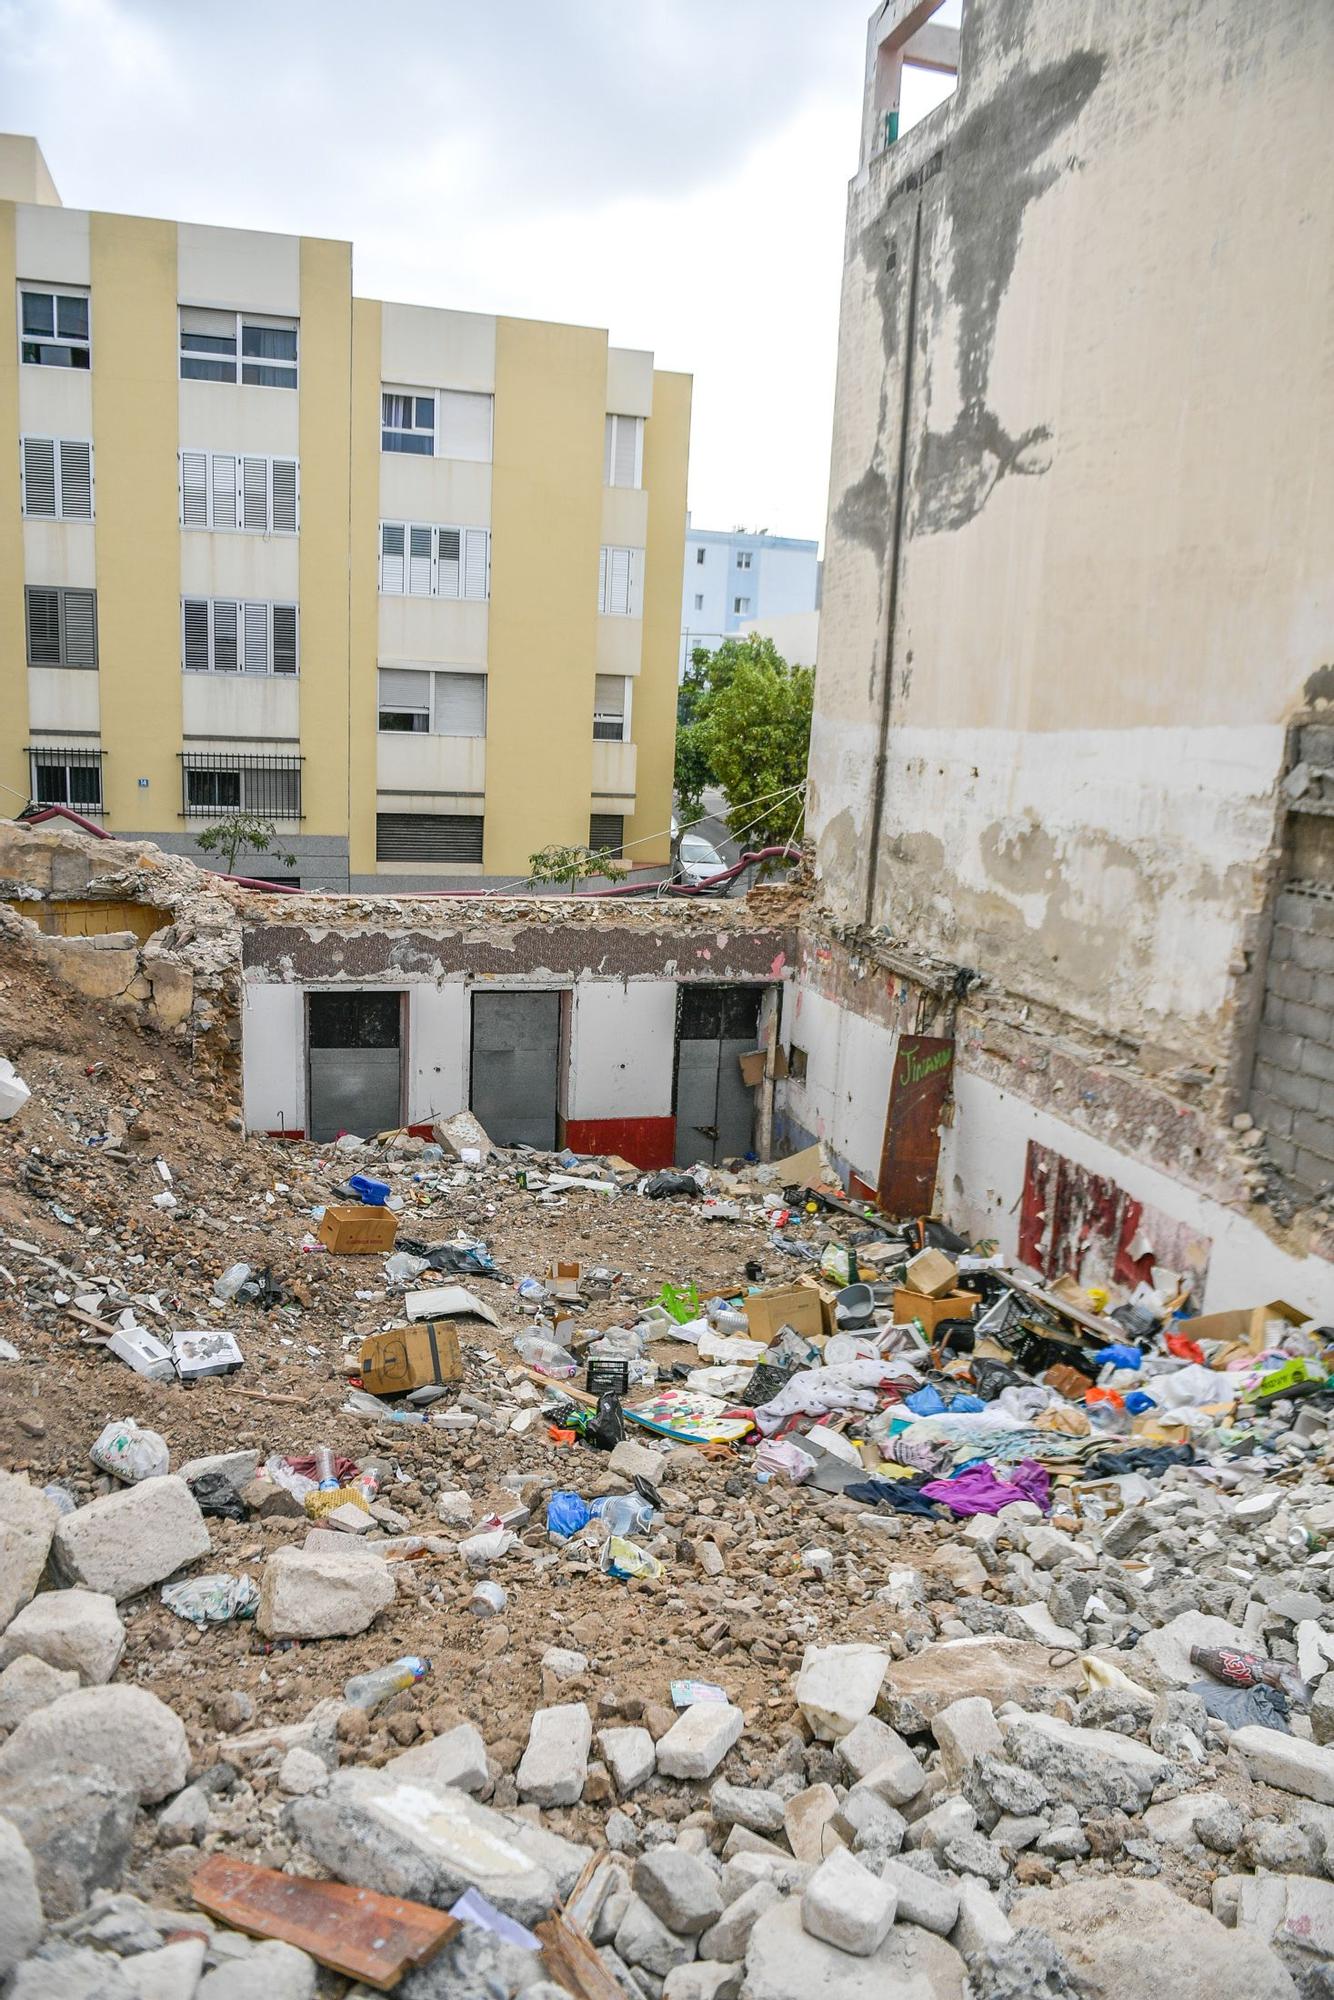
x=270, y=1971
x=1088, y=1767
x=727, y=1939
x=983, y=1924
x=554, y=1767
x=809, y=1821
x=838, y=1686
x=78, y=1827
x=697, y=1741
x=965, y=1731
x=457, y=1757
x=746, y=1805
x=238, y=1468
x=643, y=1939
x=680, y=1889
x=169, y=1974
x=784, y=1962
x=1138, y=1941
x=869, y=1744
x=313, y=1596
x=1000, y=1669
x=1286, y=1762
x=27, y=1684
x=27, y=1523
x=55, y=1972
x=629, y=1755
x=125, y=1542
x=929, y=1900
x=127, y=1730
x=897, y=1778
x=75, y=1631
x=636, y=1461
x=21, y=1922
x=1161, y=1660
x=847, y=1906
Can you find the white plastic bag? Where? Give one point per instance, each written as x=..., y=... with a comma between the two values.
x=129, y=1453
x=14, y=1092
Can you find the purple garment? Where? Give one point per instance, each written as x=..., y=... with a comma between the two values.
x=979, y=1491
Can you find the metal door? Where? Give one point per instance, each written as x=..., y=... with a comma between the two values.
x=715, y=1107
x=355, y=1044
x=515, y=1066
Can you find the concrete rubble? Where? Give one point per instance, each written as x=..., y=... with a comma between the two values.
x=750, y=1702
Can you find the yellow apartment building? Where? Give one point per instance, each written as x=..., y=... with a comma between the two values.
x=403, y=580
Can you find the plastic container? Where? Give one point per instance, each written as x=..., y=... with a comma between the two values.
x=548, y=1357
x=231, y=1281
x=624, y=1513
x=326, y=1477
x=374, y=1193
x=488, y=1600
x=369, y=1690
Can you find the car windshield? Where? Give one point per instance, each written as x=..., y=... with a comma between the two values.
x=699, y=853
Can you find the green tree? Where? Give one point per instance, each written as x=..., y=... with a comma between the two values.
x=709, y=675
x=570, y=865
x=758, y=734
x=237, y=832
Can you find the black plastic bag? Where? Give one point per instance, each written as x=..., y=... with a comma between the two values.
x=668, y=1182
x=1265, y=1706
x=607, y=1426
x=215, y=1494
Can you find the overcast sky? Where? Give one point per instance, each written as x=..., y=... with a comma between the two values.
x=673, y=170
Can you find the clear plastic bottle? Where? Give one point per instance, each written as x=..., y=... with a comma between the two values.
x=231, y=1281
x=548, y=1357
x=369, y=1690
x=326, y=1476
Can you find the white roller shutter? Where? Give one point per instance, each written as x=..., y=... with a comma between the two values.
x=392, y=565
x=623, y=449
x=194, y=489
x=419, y=561
x=475, y=562
x=224, y=490
x=460, y=704
x=255, y=494
x=39, y=478
x=401, y=687
x=463, y=424
x=255, y=659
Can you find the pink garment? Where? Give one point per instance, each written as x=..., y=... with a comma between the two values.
x=980, y=1491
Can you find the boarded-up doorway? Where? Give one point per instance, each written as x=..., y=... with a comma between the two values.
x=516, y=1066
x=355, y=1074
x=715, y=1108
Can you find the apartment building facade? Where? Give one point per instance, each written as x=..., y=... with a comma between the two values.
x=732, y=578
x=402, y=580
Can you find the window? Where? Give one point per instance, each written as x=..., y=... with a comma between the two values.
x=453, y=423
x=623, y=452
x=699, y=600
x=56, y=477
x=407, y=422
x=61, y=777
x=62, y=627
x=214, y=345
x=226, y=782
x=421, y=561
x=621, y=582
x=54, y=328
x=741, y=607
x=222, y=489
x=428, y=836
x=606, y=833
x=699, y=555
x=611, y=709
x=220, y=635
x=743, y=558
x=415, y=702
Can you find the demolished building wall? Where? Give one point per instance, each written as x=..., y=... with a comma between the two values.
x=1077, y=552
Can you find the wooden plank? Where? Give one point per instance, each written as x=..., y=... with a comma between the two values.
x=357, y=1932
x=573, y=1963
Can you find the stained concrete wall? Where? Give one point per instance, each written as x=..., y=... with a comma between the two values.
x=1081, y=537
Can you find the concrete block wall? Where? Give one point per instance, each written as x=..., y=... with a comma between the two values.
x=1292, y=1095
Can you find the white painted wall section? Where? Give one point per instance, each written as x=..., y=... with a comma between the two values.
x=845, y=1092
x=437, y=1050
x=273, y=1067
x=622, y=1047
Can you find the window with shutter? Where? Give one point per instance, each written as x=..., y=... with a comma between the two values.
x=405, y=701
x=76, y=479
x=255, y=494
x=54, y=329
x=62, y=627
x=194, y=489
x=449, y=567
x=226, y=650
x=284, y=638
x=623, y=451
x=255, y=657
x=606, y=833
x=284, y=496
x=460, y=704
x=224, y=490
x=39, y=477
x=393, y=541
x=609, y=708
x=80, y=611
x=620, y=582
x=464, y=420
x=227, y=346
x=194, y=626
x=419, y=562
x=428, y=837
x=43, y=607
x=475, y=547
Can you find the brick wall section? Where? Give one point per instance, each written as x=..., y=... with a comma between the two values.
x=1292, y=1095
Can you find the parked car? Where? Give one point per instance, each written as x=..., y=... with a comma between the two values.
x=698, y=862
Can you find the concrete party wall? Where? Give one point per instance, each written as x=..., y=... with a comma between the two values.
x=1091, y=294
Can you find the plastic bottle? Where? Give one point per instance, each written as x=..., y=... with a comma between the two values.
x=624, y=1513
x=369, y=1690
x=548, y=1357
x=326, y=1477
x=231, y=1281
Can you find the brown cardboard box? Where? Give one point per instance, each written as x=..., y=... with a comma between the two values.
x=1246, y=1324
x=354, y=1229
x=931, y=1273
x=799, y=1306
x=752, y=1066
x=914, y=1305
x=411, y=1357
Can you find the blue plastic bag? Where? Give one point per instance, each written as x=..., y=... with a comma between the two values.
x=966, y=1406
x=1120, y=1355
x=925, y=1402
x=1137, y=1402
x=567, y=1514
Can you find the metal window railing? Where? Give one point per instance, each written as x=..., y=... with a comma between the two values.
x=214, y=783
x=62, y=774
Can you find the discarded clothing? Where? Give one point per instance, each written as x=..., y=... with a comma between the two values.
x=1139, y=1458
x=978, y=1490
x=813, y=1392
x=906, y=1496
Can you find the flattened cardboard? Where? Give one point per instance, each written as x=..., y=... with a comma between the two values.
x=447, y=1302
x=1246, y=1323
x=411, y=1357
x=351, y=1229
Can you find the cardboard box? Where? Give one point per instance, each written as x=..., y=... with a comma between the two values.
x=914, y=1305
x=798, y=1306
x=752, y=1066
x=411, y=1357
x=1246, y=1324
x=205, y=1351
x=353, y=1230
x=931, y=1273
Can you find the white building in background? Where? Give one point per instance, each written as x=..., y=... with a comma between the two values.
x=733, y=579
x=795, y=633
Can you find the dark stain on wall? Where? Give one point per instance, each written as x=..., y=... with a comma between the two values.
x=292, y=953
x=863, y=512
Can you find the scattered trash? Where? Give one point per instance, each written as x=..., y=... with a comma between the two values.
x=370, y=1690
x=14, y=1092
x=130, y=1453
x=212, y=1600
